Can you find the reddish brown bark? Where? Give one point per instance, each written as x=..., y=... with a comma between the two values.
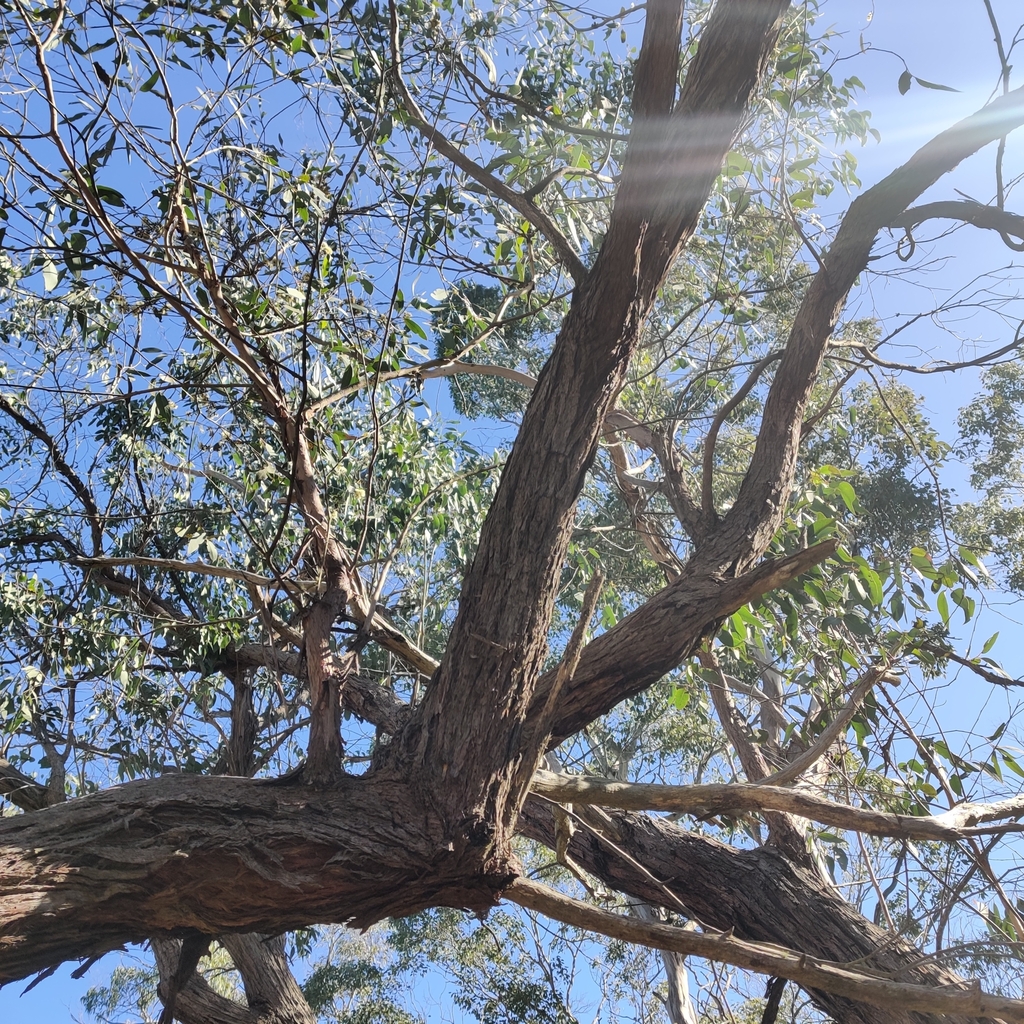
x=216, y=855
x=271, y=992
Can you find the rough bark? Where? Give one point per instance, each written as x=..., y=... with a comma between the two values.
x=430, y=824
x=216, y=855
x=498, y=641
x=271, y=992
x=836, y=979
x=758, y=894
x=639, y=649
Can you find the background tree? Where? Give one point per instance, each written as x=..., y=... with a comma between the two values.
x=682, y=544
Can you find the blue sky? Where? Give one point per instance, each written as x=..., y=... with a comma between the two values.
x=941, y=41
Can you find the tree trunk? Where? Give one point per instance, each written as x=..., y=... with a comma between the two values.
x=272, y=994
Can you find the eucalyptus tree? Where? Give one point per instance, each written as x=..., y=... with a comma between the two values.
x=286, y=645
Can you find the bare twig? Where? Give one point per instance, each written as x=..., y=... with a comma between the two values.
x=537, y=217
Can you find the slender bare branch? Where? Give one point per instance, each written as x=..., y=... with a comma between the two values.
x=707, y=496
x=832, y=732
x=730, y=798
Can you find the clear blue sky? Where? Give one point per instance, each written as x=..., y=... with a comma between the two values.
x=947, y=41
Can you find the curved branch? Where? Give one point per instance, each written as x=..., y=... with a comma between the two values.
x=968, y=211
x=872, y=356
x=759, y=506
x=707, y=499
x=272, y=994
x=63, y=467
x=758, y=894
x=820, y=975
x=832, y=732
x=195, y=1002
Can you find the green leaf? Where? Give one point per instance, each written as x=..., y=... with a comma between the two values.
x=874, y=585
x=415, y=328
x=934, y=85
x=1011, y=763
x=904, y=83
x=847, y=493
x=736, y=164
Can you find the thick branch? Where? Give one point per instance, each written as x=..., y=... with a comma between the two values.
x=498, y=641
x=270, y=986
x=758, y=894
x=214, y=855
x=674, y=156
x=271, y=992
x=836, y=979
x=20, y=789
x=658, y=636
x=978, y=214
x=196, y=1002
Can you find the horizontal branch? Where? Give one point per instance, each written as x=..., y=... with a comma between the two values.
x=730, y=798
x=778, y=961
x=380, y=630
x=183, y=565
x=22, y=790
x=456, y=367
x=361, y=696
x=977, y=214
x=190, y=853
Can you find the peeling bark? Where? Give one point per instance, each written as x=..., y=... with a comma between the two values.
x=215, y=855
x=431, y=823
